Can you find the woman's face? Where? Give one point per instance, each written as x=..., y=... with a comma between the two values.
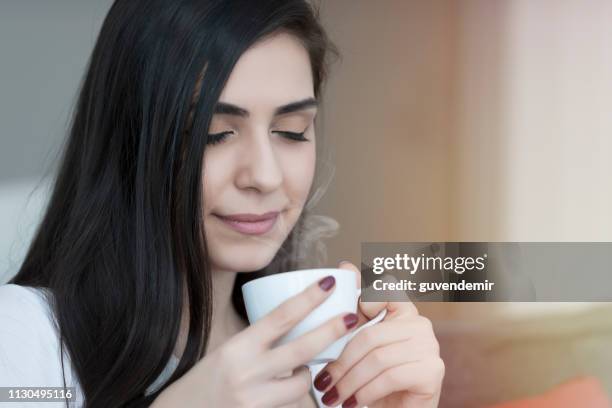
x=258, y=174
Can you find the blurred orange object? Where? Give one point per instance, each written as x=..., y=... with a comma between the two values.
x=582, y=392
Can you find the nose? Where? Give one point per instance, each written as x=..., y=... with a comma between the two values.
x=260, y=168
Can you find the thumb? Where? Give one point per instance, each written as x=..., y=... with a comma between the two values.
x=350, y=267
x=365, y=310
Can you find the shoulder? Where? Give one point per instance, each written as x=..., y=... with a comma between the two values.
x=18, y=294
x=24, y=309
x=29, y=343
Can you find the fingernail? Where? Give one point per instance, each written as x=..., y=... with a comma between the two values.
x=351, y=402
x=327, y=283
x=322, y=380
x=330, y=396
x=350, y=320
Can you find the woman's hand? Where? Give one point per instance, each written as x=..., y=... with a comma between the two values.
x=395, y=363
x=247, y=372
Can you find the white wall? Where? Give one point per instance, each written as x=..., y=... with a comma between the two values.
x=533, y=122
x=558, y=171
x=532, y=126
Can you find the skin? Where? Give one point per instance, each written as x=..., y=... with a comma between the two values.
x=395, y=363
x=392, y=364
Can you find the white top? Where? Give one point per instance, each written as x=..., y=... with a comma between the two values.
x=30, y=349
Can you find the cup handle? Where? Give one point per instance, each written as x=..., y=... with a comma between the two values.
x=381, y=315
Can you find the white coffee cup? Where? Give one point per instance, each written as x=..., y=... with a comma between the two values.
x=264, y=294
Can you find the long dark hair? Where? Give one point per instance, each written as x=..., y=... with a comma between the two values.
x=121, y=243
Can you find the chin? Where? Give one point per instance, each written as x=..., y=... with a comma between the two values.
x=245, y=258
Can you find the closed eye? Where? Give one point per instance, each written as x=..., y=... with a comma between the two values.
x=214, y=138
x=298, y=137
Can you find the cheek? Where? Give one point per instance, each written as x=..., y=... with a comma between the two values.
x=214, y=175
x=298, y=174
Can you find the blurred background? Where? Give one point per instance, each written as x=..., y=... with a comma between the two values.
x=447, y=120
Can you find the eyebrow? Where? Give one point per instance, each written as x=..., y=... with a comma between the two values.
x=230, y=109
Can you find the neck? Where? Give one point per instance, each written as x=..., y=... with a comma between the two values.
x=223, y=285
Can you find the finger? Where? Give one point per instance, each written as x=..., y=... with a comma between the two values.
x=350, y=267
x=400, y=306
x=307, y=346
x=420, y=381
x=283, y=391
x=363, y=372
x=288, y=314
x=369, y=339
x=371, y=309
x=366, y=311
x=376, y=362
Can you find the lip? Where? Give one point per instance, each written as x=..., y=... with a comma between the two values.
x=250, y=224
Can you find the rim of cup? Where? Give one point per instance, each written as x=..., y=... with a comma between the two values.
x=291, y=273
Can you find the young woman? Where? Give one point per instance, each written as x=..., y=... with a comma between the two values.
x=188, y=170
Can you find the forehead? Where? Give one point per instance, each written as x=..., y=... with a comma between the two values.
x=272, y=72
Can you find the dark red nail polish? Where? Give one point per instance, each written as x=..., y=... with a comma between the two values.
x=351, y=402
x=350, y=320
x=327, y=283
x=322, y=380
x=330, y=396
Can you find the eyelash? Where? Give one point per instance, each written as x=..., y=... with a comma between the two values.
x=215, y=138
